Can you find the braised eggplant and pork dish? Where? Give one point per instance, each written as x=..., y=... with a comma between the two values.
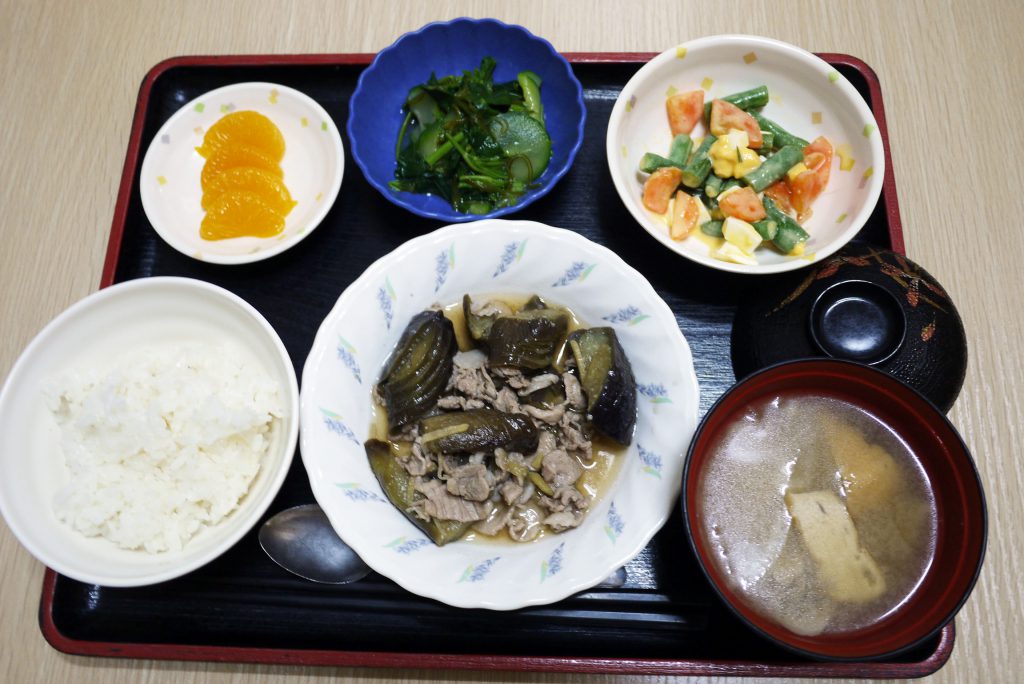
x=505, y=423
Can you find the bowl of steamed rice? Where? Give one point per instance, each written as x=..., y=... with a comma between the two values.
x=145, y=430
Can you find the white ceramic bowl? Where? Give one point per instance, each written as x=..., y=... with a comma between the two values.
x=800, y=85
x=98, y=330
x=486, y=257
x=313, y=165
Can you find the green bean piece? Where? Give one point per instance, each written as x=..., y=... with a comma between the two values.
x=782, y=137
x=773, y=168
x=698, y=168
x=530, y=83
x=789, y=234
x=650, y=162
x=713, y=185
x=679, y=150
x=745, y=100
x=766, y=228
x=767, y=141
x=729, y=183
x=712, y=228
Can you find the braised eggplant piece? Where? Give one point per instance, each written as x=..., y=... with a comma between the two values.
x=399, y=487
x=607, y=380
x=478, y=430
x=529, y=339
x=535, y=302
x=418, y=370
x=479, y=325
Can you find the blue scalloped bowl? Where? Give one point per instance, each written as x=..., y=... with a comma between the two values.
x=444, y=48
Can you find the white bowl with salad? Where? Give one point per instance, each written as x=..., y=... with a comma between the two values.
x=745, y=154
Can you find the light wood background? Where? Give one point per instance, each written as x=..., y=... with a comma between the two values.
x=950, y=75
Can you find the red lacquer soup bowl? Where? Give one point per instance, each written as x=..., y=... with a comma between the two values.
x=949, y=471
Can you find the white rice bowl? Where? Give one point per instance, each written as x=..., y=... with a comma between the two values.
x=163, y=443
x=208, y=442
x=490, y=257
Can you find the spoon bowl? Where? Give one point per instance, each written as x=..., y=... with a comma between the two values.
x=302, y=541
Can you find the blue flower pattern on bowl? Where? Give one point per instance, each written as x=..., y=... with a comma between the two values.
x=407, y=546
x=477, y=573
x=355, y=492
x=443, y=263
x=656, y=392
x=385, y=297
x=651, y=461
x=577, y=272
x=615, y=524
x=629, y=315
x=335, y=424
x=553, y=564
x=513, y=252
x=346, y=354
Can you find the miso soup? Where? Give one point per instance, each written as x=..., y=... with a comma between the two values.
x=817, y=513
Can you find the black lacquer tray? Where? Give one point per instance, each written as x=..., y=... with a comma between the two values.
x=243, y=608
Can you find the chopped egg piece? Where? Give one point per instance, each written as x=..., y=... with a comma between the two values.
x=738, y=138
x=740, y=233
x=730, y=252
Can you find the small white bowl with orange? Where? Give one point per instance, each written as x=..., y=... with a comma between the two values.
x=242, y=173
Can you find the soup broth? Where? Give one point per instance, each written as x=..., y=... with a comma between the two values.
x=817, y=513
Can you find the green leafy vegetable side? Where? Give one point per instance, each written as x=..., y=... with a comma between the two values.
x=478, y=144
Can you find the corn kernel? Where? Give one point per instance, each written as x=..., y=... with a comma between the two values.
x=796, y=170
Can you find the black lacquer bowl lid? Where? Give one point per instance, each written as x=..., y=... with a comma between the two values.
x=863, y=304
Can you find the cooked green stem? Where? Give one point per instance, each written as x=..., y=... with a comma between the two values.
x=767, y=141
x=781, y=137
x=773, y=168
x=713, y=185
x=789, y=233
x=401, y=133
x=767, y=229
x=679, y=150
x=650, y=162
x=712, y=228
x=530, y=83
x=699, y=166
x=745, y=100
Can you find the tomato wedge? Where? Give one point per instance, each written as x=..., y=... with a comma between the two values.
x=685, y=214
x=684, y=111
x=779, y=192
x=726, y=116
x=659, y=186
x=743, y=204
x=806, y=187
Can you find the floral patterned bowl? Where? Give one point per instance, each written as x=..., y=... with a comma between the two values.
x=513, y=257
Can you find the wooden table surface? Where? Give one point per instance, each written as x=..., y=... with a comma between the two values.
x=69, y=78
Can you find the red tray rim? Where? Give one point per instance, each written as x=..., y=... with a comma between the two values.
x=442, y=661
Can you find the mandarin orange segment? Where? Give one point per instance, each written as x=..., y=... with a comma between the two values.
x=238, y=213
x=262, y=182
x=247, y=128
x=233, y=157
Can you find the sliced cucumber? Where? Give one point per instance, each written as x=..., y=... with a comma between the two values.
x=422, y=106
x=525, y=142
x=429, y=140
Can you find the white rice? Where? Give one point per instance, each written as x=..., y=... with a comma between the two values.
x=162, y=444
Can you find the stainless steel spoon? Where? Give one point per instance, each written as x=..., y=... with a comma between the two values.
x=302, y=541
